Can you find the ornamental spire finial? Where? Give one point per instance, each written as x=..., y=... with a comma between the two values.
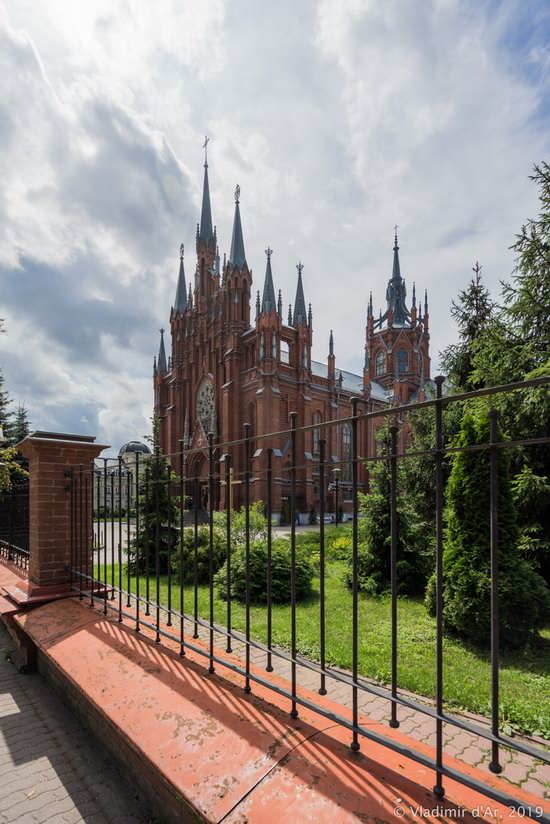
x=237, y=193
x=182, y=249
x=205, y=147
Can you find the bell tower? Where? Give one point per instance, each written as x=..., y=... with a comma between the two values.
x=397, y=342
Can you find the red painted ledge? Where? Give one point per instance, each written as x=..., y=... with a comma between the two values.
x=220, y=754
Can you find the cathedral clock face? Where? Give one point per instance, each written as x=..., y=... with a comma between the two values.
x=205, y=407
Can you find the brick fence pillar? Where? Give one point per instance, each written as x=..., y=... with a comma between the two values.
x=50, y=455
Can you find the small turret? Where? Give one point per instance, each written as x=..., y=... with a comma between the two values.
x=299, y=318
x=237, y=255
x=280, y=304
x=268, y=299
x=162, y=366
x=331, y=358
x=180, y=304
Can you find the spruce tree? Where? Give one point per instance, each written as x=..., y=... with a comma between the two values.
x=5, y=414
x=523, y=596
x=20, y=426
x=158, y=512
x=472, y=311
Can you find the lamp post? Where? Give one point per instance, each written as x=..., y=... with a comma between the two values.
x=336, y=473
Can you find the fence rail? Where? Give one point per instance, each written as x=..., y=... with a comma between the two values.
x=14, y=523
x=136, y=543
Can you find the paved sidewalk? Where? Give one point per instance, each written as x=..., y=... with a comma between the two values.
x=50, y=768
x=518, y=769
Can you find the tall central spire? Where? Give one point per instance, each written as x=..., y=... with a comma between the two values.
x=237, y=255
x=206, y=232
x=268, y=300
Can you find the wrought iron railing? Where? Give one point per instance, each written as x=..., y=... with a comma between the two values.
x=14, y=523
x=112, y=504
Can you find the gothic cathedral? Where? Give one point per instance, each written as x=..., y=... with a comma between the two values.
x=225, y=371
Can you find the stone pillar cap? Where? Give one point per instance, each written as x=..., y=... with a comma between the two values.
x=83, y=441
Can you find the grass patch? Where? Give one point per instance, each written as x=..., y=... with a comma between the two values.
x=524, y=677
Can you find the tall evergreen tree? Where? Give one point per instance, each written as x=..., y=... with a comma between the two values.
x=523, y=595
x=5, y=414
x=20, y=427
x=472, y=312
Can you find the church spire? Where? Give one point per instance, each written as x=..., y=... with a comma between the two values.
x=237, y=256
x=268, y=299
x=162, y=354
x=396, y=273
x=181, y=292
x=396, y=292
x=206, y=232
x=300, y=317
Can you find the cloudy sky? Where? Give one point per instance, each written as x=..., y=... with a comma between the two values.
x=337, y=119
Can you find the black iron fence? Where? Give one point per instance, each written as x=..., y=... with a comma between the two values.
x=14, y=523
x=152, y=562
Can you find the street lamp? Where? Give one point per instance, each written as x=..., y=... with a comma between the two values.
x=336, y=473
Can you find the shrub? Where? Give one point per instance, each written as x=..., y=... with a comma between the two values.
x=339, y=547
x=523, y=596
x=280, y=573
x=219, y=554
x=257, y=524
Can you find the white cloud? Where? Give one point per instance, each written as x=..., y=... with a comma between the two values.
x=337, y=120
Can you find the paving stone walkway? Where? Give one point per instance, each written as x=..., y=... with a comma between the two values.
x=50, y=768
x=518, y=769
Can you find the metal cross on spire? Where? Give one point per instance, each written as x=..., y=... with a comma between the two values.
x=205, y=147
x=299, y=267
x=182, y=249
x=268, y=252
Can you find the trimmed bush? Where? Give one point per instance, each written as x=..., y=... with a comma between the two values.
x=219, y=553
x=523, y=596
x=280, y=572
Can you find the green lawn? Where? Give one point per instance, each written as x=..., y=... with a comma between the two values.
x=525, y=677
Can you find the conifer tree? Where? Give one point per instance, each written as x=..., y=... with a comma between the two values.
x=5, y=415
x=158, y=513
x=523, y=596
x=20, y=427
x=472, y=311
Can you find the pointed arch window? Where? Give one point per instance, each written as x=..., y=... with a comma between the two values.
x=380, y=363
x=402, y=361
x=304, y=357
x=316, y=434
x=273, y=345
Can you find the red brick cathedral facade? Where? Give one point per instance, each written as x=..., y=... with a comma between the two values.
x=226, y=370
